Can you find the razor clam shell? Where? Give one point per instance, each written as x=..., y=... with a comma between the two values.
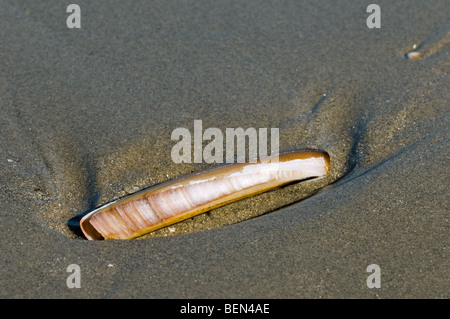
x=179, y=199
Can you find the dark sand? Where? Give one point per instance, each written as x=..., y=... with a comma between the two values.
x=87, y=115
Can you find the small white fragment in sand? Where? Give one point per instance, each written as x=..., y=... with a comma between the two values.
x=131, y=189
x=171, y=229
x=9, y=160
x=414, y=55
x=110, y=266
x=414, y=46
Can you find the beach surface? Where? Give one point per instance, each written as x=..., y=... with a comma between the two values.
x=87, y=116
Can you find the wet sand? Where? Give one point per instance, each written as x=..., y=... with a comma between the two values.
x=87, y=116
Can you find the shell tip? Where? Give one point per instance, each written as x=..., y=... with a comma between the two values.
x=88, y=230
